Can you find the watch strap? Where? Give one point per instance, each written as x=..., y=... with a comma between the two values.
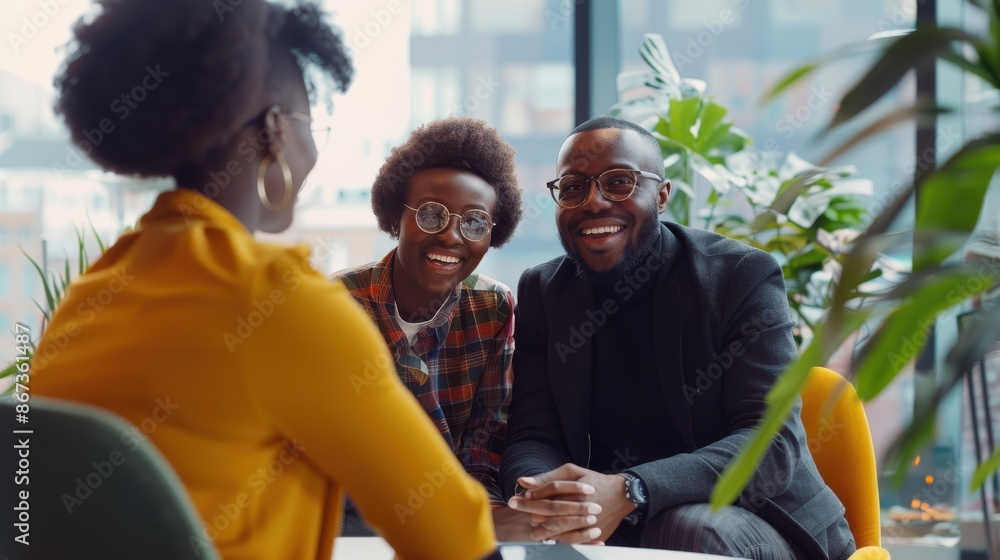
x=639, y=512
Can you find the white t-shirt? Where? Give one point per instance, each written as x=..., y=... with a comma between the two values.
x=410, y=329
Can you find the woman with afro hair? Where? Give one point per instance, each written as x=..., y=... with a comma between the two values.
x=234, y=336
x=448, y=194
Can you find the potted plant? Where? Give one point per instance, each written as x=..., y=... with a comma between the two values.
x=54, y=286
x=805, y=215
x=949, y=200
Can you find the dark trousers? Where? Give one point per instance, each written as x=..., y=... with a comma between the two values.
x=352, y=525
x=731, y=531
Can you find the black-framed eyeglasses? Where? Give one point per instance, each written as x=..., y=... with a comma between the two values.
x=434, y=217
x=320, y=133
x=617, y=185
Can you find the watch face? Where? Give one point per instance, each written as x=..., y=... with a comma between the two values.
x=637, y=489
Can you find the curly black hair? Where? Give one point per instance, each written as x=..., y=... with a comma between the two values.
x=459, y=143
x=150, y=87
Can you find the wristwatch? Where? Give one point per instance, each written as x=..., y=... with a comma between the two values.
x=635, y=491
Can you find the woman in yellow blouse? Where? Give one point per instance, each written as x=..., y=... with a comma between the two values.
x=221, y=349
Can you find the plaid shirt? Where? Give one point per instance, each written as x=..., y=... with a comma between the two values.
x=460, y=366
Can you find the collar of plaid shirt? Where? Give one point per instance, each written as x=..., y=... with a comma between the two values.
x=429, y=339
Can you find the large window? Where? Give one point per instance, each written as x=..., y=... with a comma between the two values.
x=509, y=63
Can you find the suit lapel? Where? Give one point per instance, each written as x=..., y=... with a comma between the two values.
x=567, y=299
x=673, y=305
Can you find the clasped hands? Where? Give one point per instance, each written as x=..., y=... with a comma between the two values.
x=569, y=504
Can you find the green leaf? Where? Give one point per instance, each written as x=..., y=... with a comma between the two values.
x=950, y=198
x=985, y=470
x=100, y=244
x=806, y=210
x=735, y=140
x=978, y=69
x=902, y=55
x=57, y=293
x=680, y=207
x=781, y=399
x=808, y=259
x=789, y=80
x=9, y=370
x=866, y=248
x=683, y=114
x=45, y=312
x=976, y=340
x=711, y=129
x=906, y=330
x=788, y=192
x=81, y=253
x=65, y=280
x=738, y=473
x=876, y=273
x=923, y=111
x=853, y=49
x=654, y=52
x=49, y=299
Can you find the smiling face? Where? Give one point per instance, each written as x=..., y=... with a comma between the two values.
x=608, y=238
x=428, y=266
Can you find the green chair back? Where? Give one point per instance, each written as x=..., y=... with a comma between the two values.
x=96, y=489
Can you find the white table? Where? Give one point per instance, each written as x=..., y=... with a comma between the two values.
x=374, y=548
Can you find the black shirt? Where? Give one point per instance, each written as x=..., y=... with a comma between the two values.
x=629, y=424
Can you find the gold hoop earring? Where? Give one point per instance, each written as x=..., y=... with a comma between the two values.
x=286, y=173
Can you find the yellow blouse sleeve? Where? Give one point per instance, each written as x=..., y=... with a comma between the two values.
x=323, y=376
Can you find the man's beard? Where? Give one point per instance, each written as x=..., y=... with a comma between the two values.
x=632, y=256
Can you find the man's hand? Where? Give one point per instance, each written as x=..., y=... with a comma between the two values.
x=570, y=483
x=512, y=525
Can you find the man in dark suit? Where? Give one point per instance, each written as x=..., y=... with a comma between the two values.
x=643, y=359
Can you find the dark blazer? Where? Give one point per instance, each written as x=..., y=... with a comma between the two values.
x=722, y=338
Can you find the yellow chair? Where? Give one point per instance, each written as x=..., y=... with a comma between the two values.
x=841, y=444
